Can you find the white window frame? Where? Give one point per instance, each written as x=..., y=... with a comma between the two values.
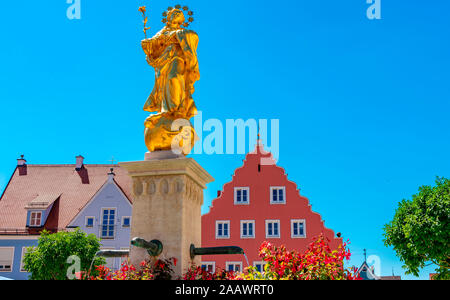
x=86, y=222
x=22, y=270
x=114, y=225
x=234, y=263
x=271, y=195
x=262, y=263
x=236, y=189
x=304, y=229
x=217, y=230
x=123, y=219
x=267, y=229
x=209, y=263
x=40, y=218
x=12, y=260
x=242, y=229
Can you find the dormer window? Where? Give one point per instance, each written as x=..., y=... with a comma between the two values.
x=35, y=219
x=39, y=208
x=242, y=196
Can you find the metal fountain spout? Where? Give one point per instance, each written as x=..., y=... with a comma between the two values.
x=154, y=248
x=215, y=251
x=113, y=253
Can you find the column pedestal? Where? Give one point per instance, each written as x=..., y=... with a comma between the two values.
x=167, y=199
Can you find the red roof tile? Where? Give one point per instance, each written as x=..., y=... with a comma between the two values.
x=75, y=187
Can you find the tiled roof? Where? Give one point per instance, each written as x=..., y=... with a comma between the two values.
x=39, y=181
x=42, y=201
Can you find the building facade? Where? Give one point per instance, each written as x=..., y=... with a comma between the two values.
x=259, y=204
x=94, y=198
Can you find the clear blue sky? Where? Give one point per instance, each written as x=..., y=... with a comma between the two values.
x=363, y=105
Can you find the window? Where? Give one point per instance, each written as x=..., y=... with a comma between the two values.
x=126, y=221
x=35, y=219
x=259, y=266
x=242, y=196
x=209, y=267
x=298, y=229
x=222, y=229
x=278, y=195
x=24, y=251
x=234, y=266
x=273, y=229
x=6, y=259
x=90, y=222
x=247, y=229
x=109, y=216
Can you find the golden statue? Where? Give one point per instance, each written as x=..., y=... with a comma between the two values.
x=173, y=54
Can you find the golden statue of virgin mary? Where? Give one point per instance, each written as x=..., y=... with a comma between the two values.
x=172, y=52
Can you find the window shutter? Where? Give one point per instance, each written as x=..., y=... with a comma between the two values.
x=6, y=256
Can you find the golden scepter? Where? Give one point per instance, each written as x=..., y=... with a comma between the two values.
x=143, y=9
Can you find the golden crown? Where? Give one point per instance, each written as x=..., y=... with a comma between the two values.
x=183, y=8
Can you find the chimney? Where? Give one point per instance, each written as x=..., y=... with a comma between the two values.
x=21, y=161
x=219, y=193
x=111, y=175
x=79, y=163
x=22, y=166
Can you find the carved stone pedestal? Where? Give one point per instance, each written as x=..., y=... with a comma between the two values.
x=167, y=200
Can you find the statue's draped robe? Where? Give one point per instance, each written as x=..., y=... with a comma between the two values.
x=174, y=57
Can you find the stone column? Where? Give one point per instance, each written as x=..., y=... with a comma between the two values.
x=167, y=201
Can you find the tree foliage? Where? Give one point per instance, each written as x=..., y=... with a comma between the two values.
x=48, y=261
x=420, y=230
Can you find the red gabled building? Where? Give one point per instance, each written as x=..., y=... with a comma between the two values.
x=259, y=204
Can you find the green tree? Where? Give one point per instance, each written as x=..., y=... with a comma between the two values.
x=420, y=232
x=49, y=260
